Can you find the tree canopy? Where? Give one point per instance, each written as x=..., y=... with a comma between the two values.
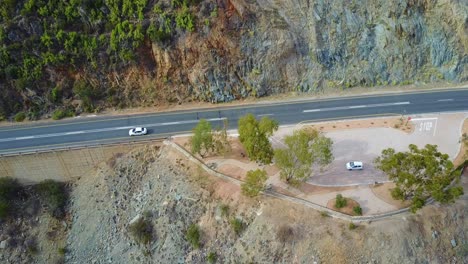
x=202, y=139
x=253, y=135
x=420, y=174
x=303, y=149
x=254, y=182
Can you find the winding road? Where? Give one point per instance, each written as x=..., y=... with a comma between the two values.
x=101, y=130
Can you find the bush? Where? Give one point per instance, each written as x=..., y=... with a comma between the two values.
x=31, y=246
x=237, y=225
x=224, y=210
x=59, y=114
x=340, y=201
x=285, y=233
x=62, y=250
x=54, y=196
x=9, y=187
x=254, y=182
x=19, y=117
x=193, y=236
x=211, y=257
x=357, y=210
x=142, y=231
x=324, y=214
x=352, y=226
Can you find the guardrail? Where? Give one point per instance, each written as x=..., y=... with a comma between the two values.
x=77, y=147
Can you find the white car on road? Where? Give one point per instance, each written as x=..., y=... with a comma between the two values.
x=138, y=131
x=354, y=165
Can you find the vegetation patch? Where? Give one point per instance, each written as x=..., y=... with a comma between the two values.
x=420, y=174
x=9, y=189
x=54, y=196
x=254, y=182
x=142, y=230
x=193, y=236
x=237, y=225
x=345, y=205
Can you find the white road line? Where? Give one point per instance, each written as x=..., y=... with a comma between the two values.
x=105, y=129
x=21, y=138
x=445, y=100
x=354, y=107
x=74, y=133
x=357, y=106
x=265, y=115
x=422, y=119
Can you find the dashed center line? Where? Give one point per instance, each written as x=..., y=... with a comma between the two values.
x=354, y=107
x=445, y=100
x=104, y=130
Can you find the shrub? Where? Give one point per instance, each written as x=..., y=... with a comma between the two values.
x=211, y=257
x=324, y=214
x=285, y=233
x=254, y=182
x=340, y=201
x=59, y=114
x=193, y=235
x=19, y=117
x=237, y=225
x=224, y=210
x=62, y=250
x=142, y=231
x=357, y=210
x=352, y=226
x=31, y=246
x=4, y=208
x=54, y=196
x=8, y=189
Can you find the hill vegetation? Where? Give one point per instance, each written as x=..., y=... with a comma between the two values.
x=73, y=56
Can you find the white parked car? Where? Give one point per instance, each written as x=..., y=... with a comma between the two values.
x=354, y=165
x=137, y=131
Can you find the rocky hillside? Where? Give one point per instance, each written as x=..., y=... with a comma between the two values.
x=66, y=57
x=170, y=194
x=166, y=195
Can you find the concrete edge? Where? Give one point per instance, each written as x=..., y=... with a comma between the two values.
x=77, y=147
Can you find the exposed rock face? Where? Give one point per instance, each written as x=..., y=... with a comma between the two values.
x=264, y=47
x=240, y=48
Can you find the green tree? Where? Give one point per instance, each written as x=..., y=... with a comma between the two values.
x=221, y=143
x=202, y=139
x=254, y=182
x=420, y=174
x=253, y=135
x=303, y=149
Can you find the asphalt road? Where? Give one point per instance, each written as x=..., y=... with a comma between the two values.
x=96, y=130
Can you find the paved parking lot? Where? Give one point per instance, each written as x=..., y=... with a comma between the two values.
x=365, y=144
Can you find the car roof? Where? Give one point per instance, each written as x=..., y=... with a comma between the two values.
x=357, y=163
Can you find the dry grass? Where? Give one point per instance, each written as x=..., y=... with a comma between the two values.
x=382, y=191
x=400, y=123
